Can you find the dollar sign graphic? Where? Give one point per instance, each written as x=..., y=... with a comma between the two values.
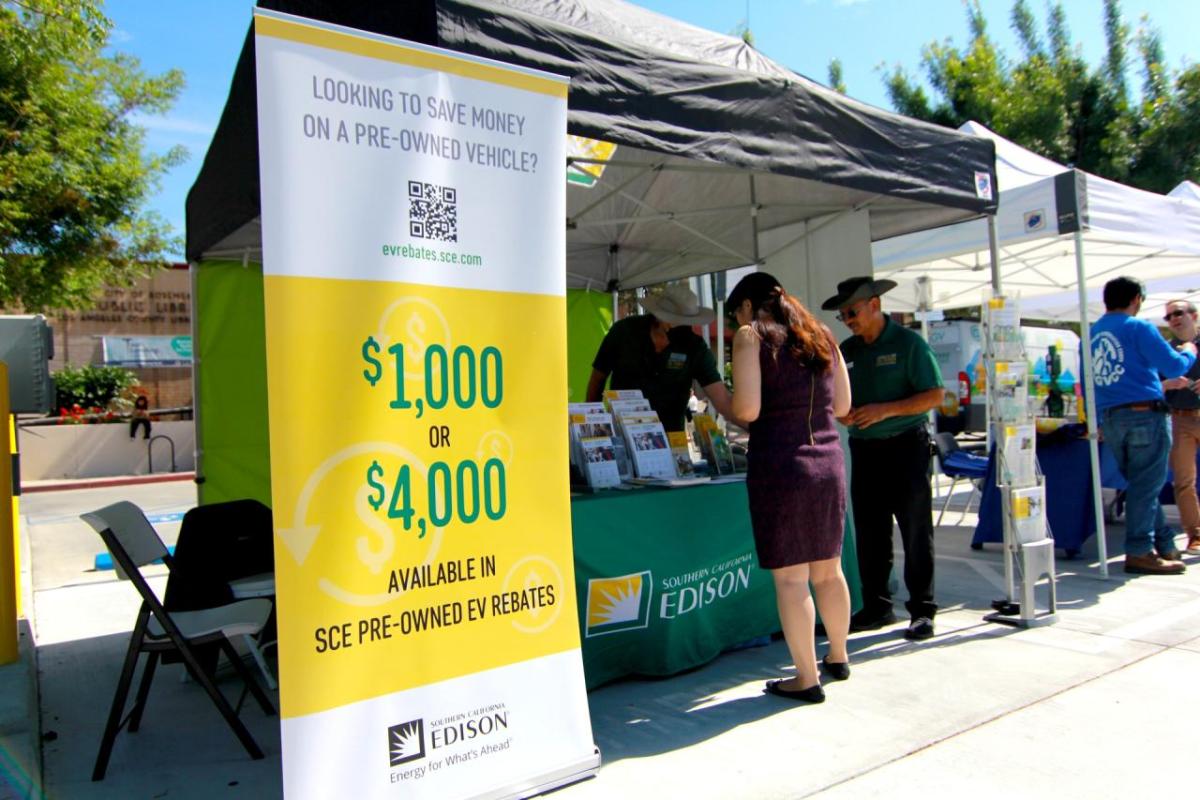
x=414, y=328
x=368, y=347
x=374, y=473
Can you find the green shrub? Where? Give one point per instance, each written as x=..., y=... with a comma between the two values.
x=91, y=386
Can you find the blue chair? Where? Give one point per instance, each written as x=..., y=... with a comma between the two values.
x=958, y=465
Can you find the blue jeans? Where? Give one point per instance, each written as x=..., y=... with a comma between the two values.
x=1141, y=443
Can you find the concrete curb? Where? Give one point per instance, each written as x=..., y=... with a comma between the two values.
x=97, y=483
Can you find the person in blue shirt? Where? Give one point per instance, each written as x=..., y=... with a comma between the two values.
x=1129, y=360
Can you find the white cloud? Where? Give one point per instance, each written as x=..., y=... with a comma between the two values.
x=174, y=125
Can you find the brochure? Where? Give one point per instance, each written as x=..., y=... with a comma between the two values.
x=1011, y=400
x=650, y=450
x=599, y=462
x=585, y=408
x=618, y=407
x=713, y=445
x=1004, y=328
x=589, y=426
x=634, y=418
x=1018, y=456
x=574, y=412
x=1028, y=514
x=623, y=394
x=681, y=453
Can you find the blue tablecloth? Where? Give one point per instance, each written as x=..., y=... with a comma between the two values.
x=1070, y=513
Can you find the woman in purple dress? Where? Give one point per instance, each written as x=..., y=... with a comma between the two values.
x=790, y=382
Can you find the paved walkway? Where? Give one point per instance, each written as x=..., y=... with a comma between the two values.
x=1095, y=706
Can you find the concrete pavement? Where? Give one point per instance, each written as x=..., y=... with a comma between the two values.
x=1097, y=705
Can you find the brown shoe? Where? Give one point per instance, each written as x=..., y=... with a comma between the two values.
x=1193, y=545
x=1152, y=564
x=1172, y=555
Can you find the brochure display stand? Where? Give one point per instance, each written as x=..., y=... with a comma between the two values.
x=1028, y=549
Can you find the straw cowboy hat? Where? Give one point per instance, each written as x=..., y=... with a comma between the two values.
x=852, y=290
x=678, y=304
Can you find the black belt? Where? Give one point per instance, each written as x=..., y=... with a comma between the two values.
x=1157, y=406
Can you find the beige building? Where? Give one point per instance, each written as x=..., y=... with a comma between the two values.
x=159, y=305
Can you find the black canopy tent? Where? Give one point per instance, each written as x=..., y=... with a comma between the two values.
x=715, y=146
x=715, y=142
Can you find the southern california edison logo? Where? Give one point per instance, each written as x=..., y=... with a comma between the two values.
x=618, y=604
x=406, y=742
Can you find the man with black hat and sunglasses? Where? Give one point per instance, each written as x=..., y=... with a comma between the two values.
x=895, y=381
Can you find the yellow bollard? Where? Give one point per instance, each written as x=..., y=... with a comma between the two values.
x=16, y=508
x=8, y=541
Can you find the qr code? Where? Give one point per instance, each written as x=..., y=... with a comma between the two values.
x=432, y=211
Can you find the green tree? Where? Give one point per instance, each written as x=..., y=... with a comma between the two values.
x=1053, y=103
x=837, y=81
x=74, y=171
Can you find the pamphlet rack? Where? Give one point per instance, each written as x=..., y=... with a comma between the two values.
x=1028, y=549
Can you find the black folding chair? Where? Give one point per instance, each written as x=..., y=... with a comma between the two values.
x=133, y=543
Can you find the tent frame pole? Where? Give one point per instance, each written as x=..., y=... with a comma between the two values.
x=1010, y=577
x=1089, y=392
x=997, y=289
x=198, y=443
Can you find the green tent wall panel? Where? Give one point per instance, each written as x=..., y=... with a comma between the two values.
x=589, y=316
x=231, y=381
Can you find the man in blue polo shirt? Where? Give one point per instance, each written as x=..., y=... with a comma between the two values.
x=1129, y=358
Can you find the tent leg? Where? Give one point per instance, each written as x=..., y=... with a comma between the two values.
x=1089, y=390
x=997, y=289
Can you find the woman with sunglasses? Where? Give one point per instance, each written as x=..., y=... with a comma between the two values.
x=790, y=383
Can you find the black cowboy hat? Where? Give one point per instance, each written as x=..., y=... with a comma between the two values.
x=852, y=290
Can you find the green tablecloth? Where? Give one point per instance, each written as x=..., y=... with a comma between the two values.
x=667, y=579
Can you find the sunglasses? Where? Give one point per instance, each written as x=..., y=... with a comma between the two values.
x=849, y=313
x=1170, y=315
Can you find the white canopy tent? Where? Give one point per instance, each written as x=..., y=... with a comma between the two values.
x=1057, y=229
x=1064, y=306
x=1188, y=190
x=1042, y=205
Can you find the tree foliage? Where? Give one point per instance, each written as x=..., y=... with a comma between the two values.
x=837, y=81
x=74, y=171
x=1050, y=101
x=92, y=386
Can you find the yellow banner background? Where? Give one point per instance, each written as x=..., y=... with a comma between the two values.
x=335, y=553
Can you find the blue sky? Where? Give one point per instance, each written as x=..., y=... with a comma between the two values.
x=203, y=38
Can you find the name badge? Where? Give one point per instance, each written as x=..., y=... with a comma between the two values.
x=886, y=360
x=677, y=361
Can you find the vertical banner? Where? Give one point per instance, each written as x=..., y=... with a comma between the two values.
x=414, y=279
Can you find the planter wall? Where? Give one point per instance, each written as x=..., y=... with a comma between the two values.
x=55, y=452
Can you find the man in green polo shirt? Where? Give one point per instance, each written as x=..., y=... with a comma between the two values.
x=894, y=382
x=659, y=354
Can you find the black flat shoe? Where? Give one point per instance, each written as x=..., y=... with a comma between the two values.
x=813, y=694
x=836, y=670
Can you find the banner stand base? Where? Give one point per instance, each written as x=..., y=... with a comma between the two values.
x=563, y=776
